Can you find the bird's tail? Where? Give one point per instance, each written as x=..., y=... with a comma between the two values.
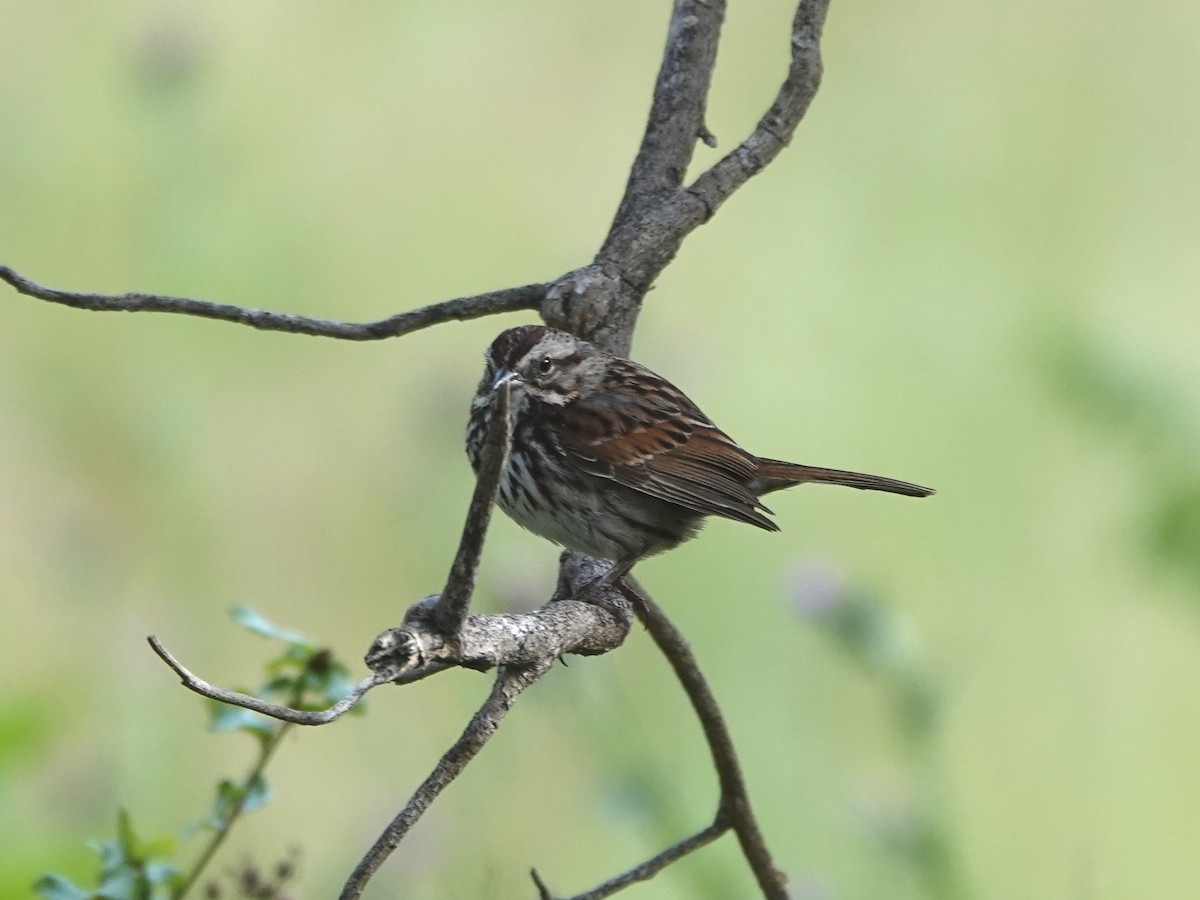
x=774, y=474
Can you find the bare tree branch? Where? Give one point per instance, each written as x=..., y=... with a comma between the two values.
x=601, y=302
x=734, y=809
x=418, y=648
x=775, y=129
x=562, y=626
x=643, y=871
x=462, y=308
x=274, y=710
x=510, y=682
x=676, y=118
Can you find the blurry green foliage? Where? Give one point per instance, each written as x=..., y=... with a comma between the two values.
x=1100, y=383
x=1158, y=427
x=1174, y=526
x=302, y=676
x=130, y=869
x=25, y=725
x=886, y=646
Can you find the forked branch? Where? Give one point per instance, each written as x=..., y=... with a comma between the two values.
x=733, y=808
x=676, y=119
x=600, y=302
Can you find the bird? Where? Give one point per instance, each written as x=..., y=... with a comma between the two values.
x=609, y=458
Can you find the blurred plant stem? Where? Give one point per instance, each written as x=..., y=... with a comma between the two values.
x=886, y=647
x=305, y=676
x=248, y=788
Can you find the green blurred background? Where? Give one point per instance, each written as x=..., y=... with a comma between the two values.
x=975, y=268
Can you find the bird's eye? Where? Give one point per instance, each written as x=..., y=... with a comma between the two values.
x=545, y=365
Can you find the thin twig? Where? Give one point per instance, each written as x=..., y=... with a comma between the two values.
x=527, y=296
x=775, y=129
x=274, y=710
x=643, y=871
x=510, y=682
x=733, y=810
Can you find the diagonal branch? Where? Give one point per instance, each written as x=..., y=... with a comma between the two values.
x=452, y=606
x=734, y=810
x=676, y=119
x=510, y=682
x=643, y=871
x=775, y=129
x=527, y=296
x=640, y=245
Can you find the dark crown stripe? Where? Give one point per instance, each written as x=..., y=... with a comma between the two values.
x=512, y=345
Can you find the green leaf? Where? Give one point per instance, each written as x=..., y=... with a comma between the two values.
x=130, y=869
x=229, y=794
x=109, y=852
x=294, y=660
x=252, y=621
x=251, y=797
x=258, y=794
x=280, y=684
x=127, y=841
x=124, y=883
x=335, y=685
x=55, y=887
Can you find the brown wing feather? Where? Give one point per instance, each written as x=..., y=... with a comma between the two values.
x=650, y=437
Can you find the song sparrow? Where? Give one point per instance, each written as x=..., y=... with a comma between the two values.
x=612, y=460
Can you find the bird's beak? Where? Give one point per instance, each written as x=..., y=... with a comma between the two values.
x=504, y=375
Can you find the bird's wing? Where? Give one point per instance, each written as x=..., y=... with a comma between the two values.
x=644, y=433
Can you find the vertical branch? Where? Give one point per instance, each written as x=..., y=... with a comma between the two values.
x=452, y=605
x=676, y=119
